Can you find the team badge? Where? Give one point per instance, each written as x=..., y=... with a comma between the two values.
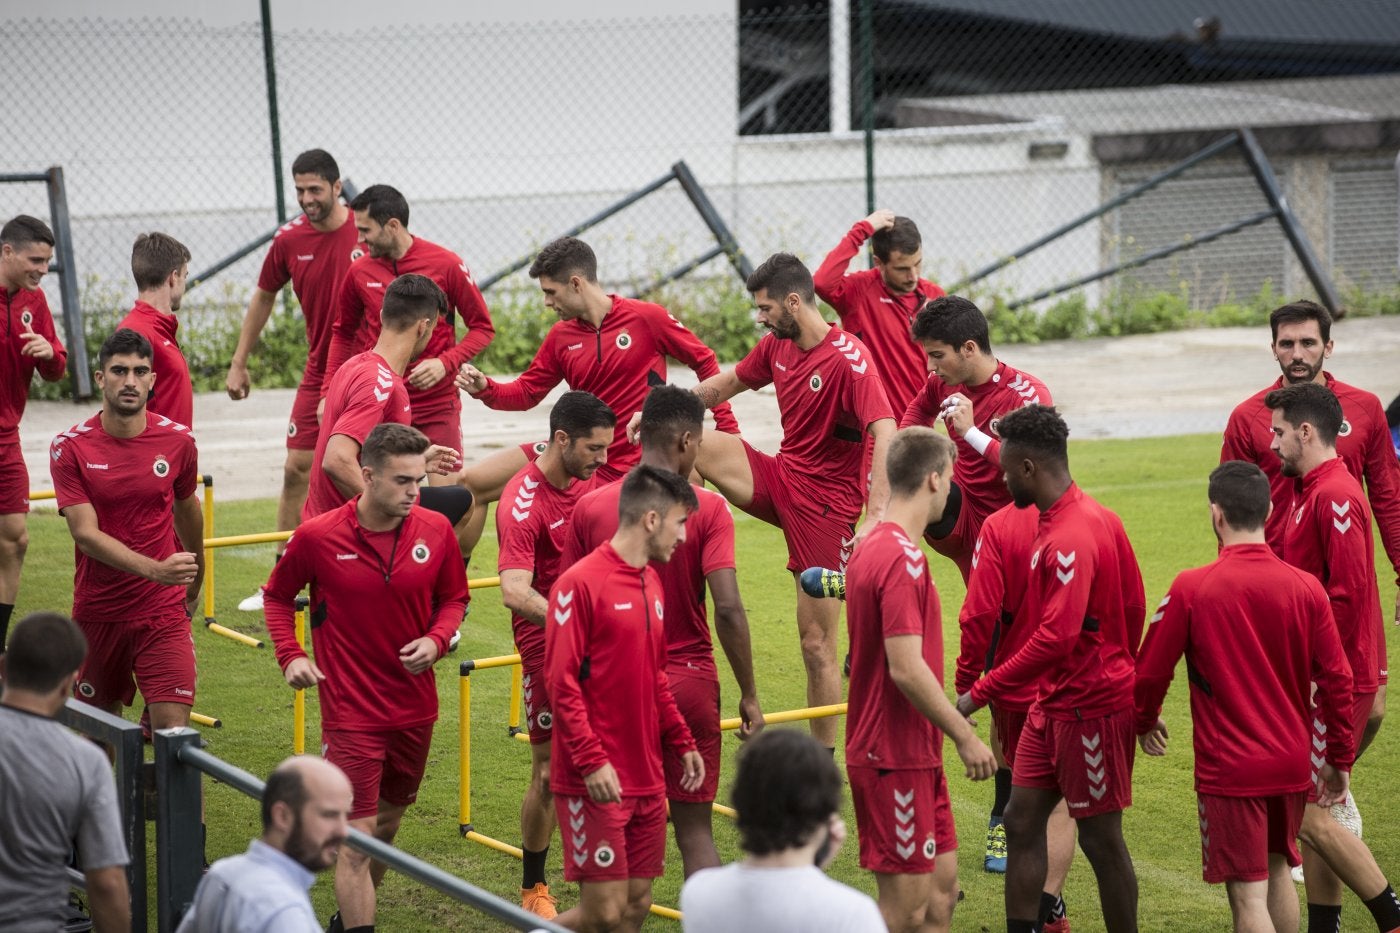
x=603, y=855
x=420, y=553
x=291, y=429
x=356, y=253
x=815, y=383
x=87, y=689
x=544, y=720
x=1035, y=559
x=658, y=609
x=1298, y=516
x=624, y=340
x=161, y=467
x=930, y=848
x=26, y=318
x=995, y=427
x=1345, y=429
x=541, y=447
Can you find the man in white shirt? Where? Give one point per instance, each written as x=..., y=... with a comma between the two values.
x=305, y=814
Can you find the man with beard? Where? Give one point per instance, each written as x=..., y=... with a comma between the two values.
x=305, y=806
x=161, y=265
x=1302, y=342
x=313, y=252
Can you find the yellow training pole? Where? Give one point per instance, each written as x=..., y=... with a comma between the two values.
x=516, y=687
x=36, y=495
x=200, y=719
x=464, y=754
x=227, y=632
x=262, y=537
x=208, y=551
x=483, y=583
x=299, y=698
x=790, y=715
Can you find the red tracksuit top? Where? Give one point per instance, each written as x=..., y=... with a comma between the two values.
x=1363, y=442
x=361, y=295
x=1328, y=534
x=605, y=660
x=26, y=310
x=1086, y=590
x=173, y=394
x=876, y=315
x=619, y=362
x=995, y=618
x=1256, y=634
x=372, y=592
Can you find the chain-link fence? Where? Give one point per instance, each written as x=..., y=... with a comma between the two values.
x=995, y=121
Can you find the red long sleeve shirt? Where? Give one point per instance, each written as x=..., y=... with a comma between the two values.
x=605, y=657
x=1086, y=590
x=1328, y=534
x=618, y=361
x=1256, y=634
x=173, y=394
x=1363, y=442
x=978, y=475
x=995, y=620
x=26, y=310
x=361, y=295
x=879, y=317
x=372, y=592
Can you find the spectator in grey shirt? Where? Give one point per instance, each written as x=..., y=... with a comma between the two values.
x=305, y=816
x=56, y=790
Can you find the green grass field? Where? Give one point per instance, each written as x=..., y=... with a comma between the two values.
x=1157, y=486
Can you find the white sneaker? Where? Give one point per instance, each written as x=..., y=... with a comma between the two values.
x=253, y=603
x=1297, y=872
x=1346, y=814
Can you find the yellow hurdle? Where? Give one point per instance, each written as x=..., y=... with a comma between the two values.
x=37, y=495
x=299, y=698
x=208, y=551
x=199, y=719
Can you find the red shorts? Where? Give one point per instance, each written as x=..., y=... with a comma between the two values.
x=155, y=655
x=443, y=425
x=1361, y=704
x=14, y=480
x=1009, y=723
x=539, y=716
x=697, y=697
x=385, y=766
x=612, y=841
x=957, y=545
x=303, y=426
x=816, y=537
x=1090, y=761
x=1239, y=833
x=922, y=827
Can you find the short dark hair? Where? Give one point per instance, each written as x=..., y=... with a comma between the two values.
x=391, y=440
x=780, y=275
x=668, y=412
x=1308, y=402
x=154, y=256
x=45, y=647
x=578, y=413
x=1037, y=428
x=564, y=258
x=913, y=454
x=953, y=320
x=1296, y=312
x=651, y=489
x=786, y=787
x=411, y=298
x=383, y=204
x=21, y=230
x=317, y=162
x=903, y=237
x=121, y=342
x=284, y=785
x=1241, y=490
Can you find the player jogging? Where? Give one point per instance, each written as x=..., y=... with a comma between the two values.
x=670, y=430
x=605, y=659
x=1086, y=591
x=897, y=709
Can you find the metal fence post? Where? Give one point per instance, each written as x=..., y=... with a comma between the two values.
x=179, y=829
x=712, y=220
x=78, y=370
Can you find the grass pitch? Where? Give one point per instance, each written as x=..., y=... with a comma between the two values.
x=1156, y=485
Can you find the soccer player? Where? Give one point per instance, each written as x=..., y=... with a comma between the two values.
x=897, y=708
x=605, y=657
x=531, y=525
x=1329, y=536
x=381, y=217
x=829, y=398
x=1302, y=342
x=878, y=305
x=387, y=593
x=995, y=622
x=29, y=342
x=125, y=480
x=160, y=264
x=1257, y=634
x=1086, y=593
x=313, y=252
x=613, y=347
x=671, y=427
x=369, y=390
